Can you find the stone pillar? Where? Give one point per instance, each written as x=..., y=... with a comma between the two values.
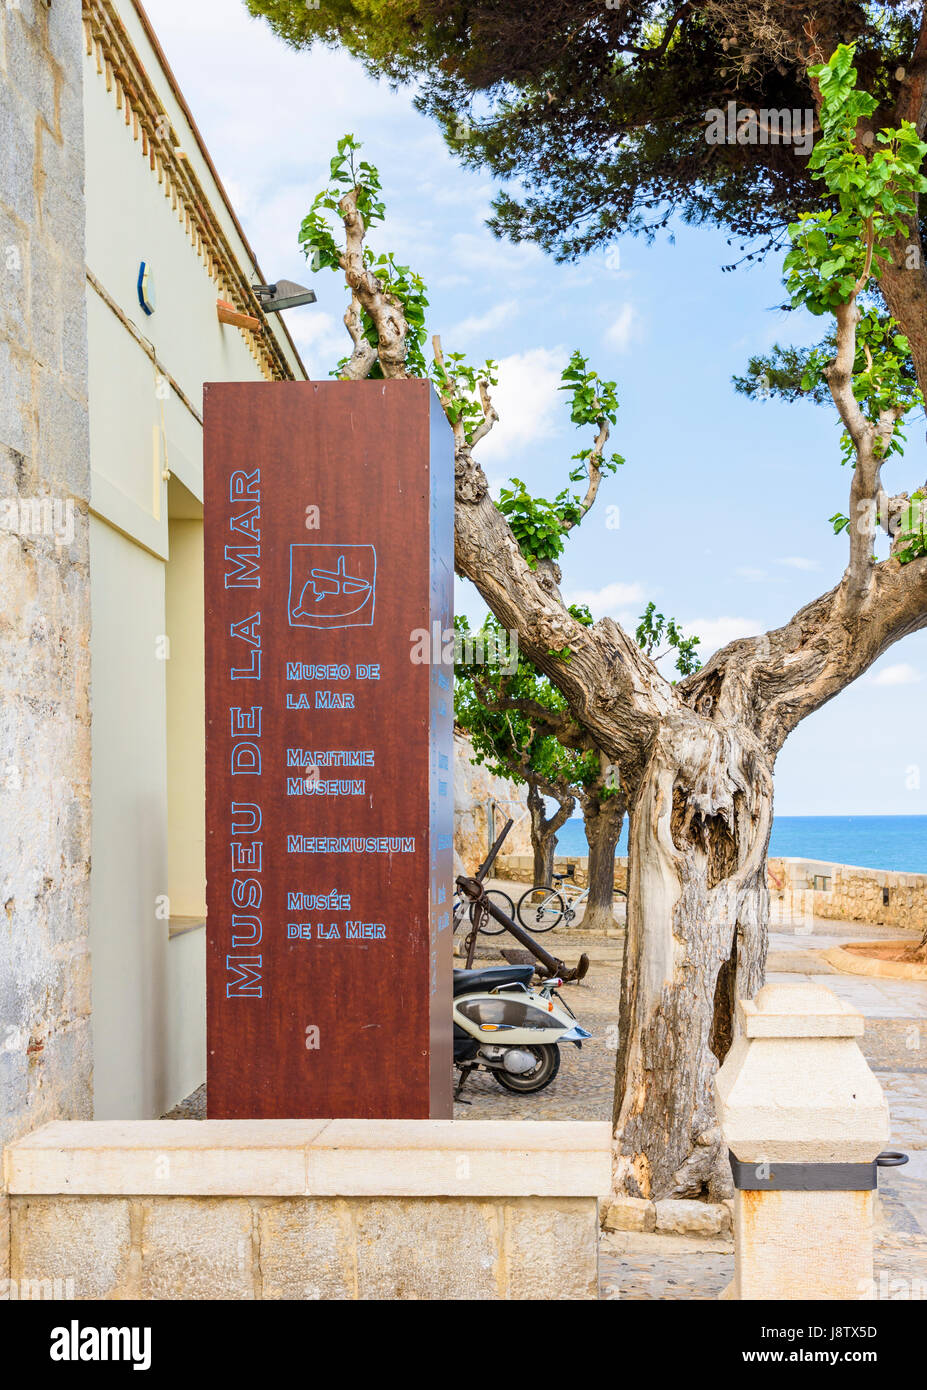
x=45, y=1057
x=795, y=1098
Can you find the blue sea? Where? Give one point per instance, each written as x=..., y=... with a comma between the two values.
x=872, y=842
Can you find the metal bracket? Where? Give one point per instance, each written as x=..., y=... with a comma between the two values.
x=803, y=1177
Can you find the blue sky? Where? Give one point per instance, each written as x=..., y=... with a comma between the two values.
x=723, y=502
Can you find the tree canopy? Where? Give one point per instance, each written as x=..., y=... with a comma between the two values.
x=593, y=116
x=600, y=109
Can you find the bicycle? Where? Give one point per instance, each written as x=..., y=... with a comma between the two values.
x=490, y=927
x=553, y=907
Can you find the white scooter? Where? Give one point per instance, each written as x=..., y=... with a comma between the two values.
x=513, y=1030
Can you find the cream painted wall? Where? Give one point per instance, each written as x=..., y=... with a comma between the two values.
x=185, y=1051
x=128, y=940
x=186, y=718
x=146, y=582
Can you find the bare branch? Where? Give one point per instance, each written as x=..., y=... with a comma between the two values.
x=839, y=375
x=613, y=690
x=560, y=793
x=863, y=280
x=490, y=416
x=771, y=683
x=359, y=364
x=543, y=720
x=447, y=392
x=869, y=441
x=594, y=473
x=384, y=309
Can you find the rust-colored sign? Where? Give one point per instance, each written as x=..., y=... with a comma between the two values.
x=329, y=749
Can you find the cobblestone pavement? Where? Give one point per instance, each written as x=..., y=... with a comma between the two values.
x=639, y=1266
x=585, y=1085
x=193, y=1108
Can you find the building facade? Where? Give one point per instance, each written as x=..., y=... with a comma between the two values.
x=127, y=283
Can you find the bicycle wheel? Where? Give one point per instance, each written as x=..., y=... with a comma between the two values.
x=500, y=900
x=540, y=908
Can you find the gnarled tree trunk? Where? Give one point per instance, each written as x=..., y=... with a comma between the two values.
x=696, y=941
x=603, y=818
x=544, y=830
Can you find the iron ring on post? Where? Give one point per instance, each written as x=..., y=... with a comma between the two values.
x=892, y=1158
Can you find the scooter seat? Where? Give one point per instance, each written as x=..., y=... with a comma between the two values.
x=495, y=975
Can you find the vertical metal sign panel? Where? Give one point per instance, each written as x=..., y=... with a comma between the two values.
x=329, y=749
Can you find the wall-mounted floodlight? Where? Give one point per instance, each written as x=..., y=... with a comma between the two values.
x=285, y=294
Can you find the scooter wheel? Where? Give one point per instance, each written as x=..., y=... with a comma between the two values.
x=548, y=1064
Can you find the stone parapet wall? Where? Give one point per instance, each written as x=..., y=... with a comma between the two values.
x=306, y=1247
x=845, y=892
x=303, y=1209
x=797, y=889
x=520, y=867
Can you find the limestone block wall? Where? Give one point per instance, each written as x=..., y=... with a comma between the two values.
x=303, y=1209
x=844, y=892
x=475, y=790
x=520, y=867
x=45, y=1060
x=306, y=1248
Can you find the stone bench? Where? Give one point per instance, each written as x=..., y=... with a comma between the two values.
x=308, y=1209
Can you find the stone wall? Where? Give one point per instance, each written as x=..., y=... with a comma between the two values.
x=846, y=893
x=474, y=790
x=797, y=889
x=520, y=867
x=309, y=1209
x=306, y=1248
x=45, y=1060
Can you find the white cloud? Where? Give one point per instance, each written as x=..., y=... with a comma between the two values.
x=620, y=331
x=527, y=401
x=795, y=327
x=610, y=601
x=900, y=674
x=481, y=251
x=798, y=562
x=468, y=195
x=717, y=632
x=752, y=575
x=320, y=338
x=478, y=324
